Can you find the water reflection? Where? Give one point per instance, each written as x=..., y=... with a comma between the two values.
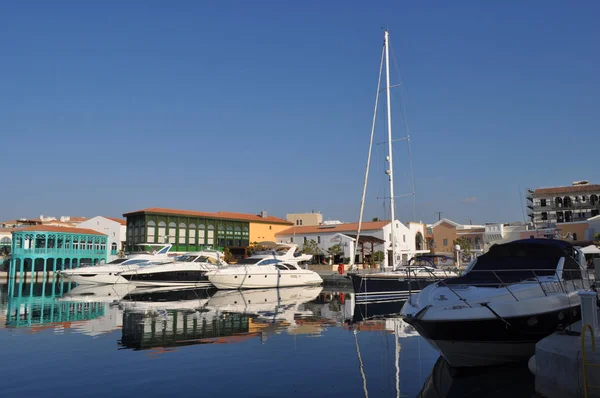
x=367, y=345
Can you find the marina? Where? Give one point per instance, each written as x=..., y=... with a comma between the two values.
x=344, y=348
x=209, y=200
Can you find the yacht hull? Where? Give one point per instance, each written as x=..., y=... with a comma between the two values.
x=492, y=341
x=93, y=278
x=263, y=281
x=381, y=288
x=191, y=278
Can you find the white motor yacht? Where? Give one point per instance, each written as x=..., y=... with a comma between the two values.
x=262, y=273
x=189, y=270
x=287, y=252
x=108, y=273
x=509, y=299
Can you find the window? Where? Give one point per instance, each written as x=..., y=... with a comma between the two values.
x=574, y=235
x=543, y=202
x=318, y=239
x=300, y=222
x=151, y=231
x=270, y=227
x=560, y=216
x=292, y=239
x=445, y=242
x=583, y=198
x=544, y=216
x=595, y=212
x=113, y=249
x=192, y=234
x=404, y=238
x=210, y=234
x=182, y=229
x=558, y=201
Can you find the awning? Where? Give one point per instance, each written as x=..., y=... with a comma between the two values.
x=591, y=249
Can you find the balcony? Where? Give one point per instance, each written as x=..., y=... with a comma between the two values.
x=59, y=252
x=573, y=206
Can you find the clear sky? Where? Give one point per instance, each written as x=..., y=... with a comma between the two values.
x=113, y=106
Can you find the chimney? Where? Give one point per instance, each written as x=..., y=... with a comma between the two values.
x=263, y=214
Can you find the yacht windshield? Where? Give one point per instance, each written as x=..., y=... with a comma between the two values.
x=186, y=258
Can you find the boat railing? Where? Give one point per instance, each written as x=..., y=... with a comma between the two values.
x=549, y=280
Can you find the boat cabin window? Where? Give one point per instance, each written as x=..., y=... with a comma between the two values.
x=248, y=261
x=269, y=261
x=186, y=258
x=134, y=261
x=282, y=267
x=290, y=266
x=205, y=259
x=118, y=261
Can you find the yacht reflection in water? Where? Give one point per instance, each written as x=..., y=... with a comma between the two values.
x=186, y=317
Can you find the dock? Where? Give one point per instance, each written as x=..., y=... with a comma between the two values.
x=559, y=369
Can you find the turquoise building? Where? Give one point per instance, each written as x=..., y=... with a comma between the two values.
x=49, y=248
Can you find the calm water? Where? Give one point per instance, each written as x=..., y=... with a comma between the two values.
x=61, y=340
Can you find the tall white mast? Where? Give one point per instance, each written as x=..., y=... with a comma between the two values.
x=390, y=171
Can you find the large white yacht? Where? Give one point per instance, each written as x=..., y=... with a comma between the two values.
x=109, y=273
x=262, y=273
x=189, y=269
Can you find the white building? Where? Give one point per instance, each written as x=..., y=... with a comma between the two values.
x=409, y=240
x=115, y=228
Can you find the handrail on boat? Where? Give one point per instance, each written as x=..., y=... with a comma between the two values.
x=556, y=279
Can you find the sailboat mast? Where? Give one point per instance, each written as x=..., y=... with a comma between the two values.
x=390, y=171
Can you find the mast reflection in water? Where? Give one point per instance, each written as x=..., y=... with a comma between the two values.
x=358, y=350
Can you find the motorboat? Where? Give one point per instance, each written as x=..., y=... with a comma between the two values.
x=262, y=273
x=287, y=252
x=109, y=273
x=189, y=270
x=400, y=283
x=509, y=299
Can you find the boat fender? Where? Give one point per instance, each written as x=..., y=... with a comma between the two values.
x=342, y=298
x=531, y=365
x=341, y=269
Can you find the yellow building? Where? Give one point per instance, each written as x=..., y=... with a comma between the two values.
x=305, y=218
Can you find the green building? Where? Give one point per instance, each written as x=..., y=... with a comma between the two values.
x=192, y=230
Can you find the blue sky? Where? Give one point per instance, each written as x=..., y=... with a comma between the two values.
x=246, y=106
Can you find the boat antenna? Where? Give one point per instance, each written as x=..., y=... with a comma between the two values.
x=364, y=192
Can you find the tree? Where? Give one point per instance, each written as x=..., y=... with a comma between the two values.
x=465, y=246
x=311, y=247
x=378, y=256
x=228, y=255
x=335, y=250
x=596, y=238
x=4, y=250
x=375, y=219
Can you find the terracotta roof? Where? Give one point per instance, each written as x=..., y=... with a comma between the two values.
x=52, y=228
x=221, y=214
x=348, y=227
x=80, y=219
x=569, y=189
x=119, y=220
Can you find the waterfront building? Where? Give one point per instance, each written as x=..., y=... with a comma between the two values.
x=566, y=204
x=305, y=218
x=374, y=236
x=49, y=248
x=114, y=228
x=442, y=234
x=193, y=230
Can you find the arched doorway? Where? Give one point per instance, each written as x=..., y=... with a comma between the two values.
x=558, y=201
x=419, y=241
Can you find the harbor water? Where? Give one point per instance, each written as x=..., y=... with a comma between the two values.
x=76, y=341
